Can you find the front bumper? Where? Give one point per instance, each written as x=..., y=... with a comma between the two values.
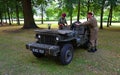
x=43, y=48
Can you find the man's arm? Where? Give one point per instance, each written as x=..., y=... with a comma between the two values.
x=86, y=23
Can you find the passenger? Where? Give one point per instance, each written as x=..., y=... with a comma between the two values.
x=62, y=21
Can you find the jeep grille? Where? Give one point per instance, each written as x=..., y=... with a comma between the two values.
x=48, y=39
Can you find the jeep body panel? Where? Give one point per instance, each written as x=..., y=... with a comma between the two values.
x=59, y=42
x=43, y=48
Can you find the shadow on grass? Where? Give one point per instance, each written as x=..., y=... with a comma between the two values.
x=113, y=28
x=18, y=30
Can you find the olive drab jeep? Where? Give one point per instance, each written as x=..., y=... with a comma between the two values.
x=60, y=43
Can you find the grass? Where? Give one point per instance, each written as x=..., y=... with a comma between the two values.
x=15, y=59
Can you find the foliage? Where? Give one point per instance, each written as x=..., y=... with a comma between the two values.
x=52, y=9
x=60, y=6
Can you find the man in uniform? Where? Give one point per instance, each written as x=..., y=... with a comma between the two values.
x=62, y=21
x=92, y=24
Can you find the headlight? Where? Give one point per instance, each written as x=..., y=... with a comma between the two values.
x=39, y=36
x=57, y=38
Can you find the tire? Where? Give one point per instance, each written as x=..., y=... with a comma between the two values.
x=38, y=55
x=86, y=45
x=66, y=54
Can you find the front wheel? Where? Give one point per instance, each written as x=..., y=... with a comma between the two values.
x=66, y=54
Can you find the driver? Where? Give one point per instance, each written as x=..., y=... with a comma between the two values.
x=62, y=21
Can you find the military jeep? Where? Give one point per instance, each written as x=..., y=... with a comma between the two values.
x=60, y=43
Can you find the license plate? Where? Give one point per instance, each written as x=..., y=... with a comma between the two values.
x=38, y=50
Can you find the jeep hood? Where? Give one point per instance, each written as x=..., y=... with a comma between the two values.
x=63, y=32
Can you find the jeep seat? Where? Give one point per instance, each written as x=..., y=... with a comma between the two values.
x=80, y=29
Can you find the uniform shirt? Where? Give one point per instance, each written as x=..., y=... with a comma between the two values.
x=62, y=21
x=92, y=24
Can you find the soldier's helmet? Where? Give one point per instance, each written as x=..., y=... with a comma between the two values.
x=90, y=13
x=63, y=14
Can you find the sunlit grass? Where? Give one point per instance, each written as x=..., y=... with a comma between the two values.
x=46, y=26
x=15, y=59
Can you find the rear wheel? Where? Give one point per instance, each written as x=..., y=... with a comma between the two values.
x=86, y=45
x=66, y=54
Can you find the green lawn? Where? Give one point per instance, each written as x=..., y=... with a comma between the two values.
x=15, y=59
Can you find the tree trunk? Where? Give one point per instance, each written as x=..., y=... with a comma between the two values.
x=108, y=21
x=11, y=14
x=17, y=13
x=111, y=14
x=102, y=12
x=88, y=7
x=28, y=15
x=5, y=12
x=70, y=16
x=42, y=13
x=5, y=18
x=8, y=12
x=78, y=15
x=1, y=18
x=70, y=10
x=71, y=20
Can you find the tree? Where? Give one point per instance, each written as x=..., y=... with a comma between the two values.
x=28, y=15
x=69, y=5
x=102, y=12
x=1, y=12
x=17, y=11
x=42, y=4
x=1, y=18
x=78, y=15
x=110, y=16
x=42, y=10
x=52, y=9
x=112, y=4
x=8, y=11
